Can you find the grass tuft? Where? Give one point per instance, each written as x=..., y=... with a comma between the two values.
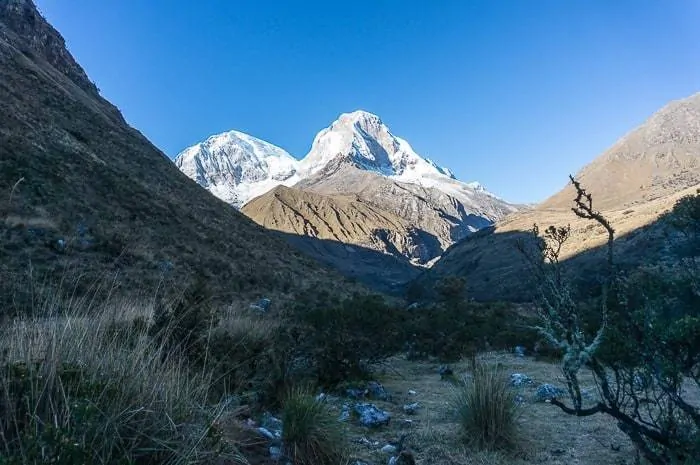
x=486, y=409
x=312, y=434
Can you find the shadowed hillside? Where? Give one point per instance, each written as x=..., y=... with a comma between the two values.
x=93, y=195
x=495, y=269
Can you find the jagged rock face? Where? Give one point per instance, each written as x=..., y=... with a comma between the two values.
x=344, y=219
x=437, y=215
x=38, y=37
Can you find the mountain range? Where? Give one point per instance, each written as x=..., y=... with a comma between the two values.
x=359, y=185
x=88, y=193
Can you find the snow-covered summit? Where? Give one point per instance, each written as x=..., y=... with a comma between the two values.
x=363, y=139
x=236, y=167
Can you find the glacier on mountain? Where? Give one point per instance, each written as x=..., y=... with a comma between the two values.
x=237, y=167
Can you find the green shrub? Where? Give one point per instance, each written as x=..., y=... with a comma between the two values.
x=450, y=331
x=644, y=348
x=486, y=409
x=312, y=434
x=343, y=340
x=249, y=356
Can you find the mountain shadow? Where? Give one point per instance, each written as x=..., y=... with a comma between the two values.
x=379, y=271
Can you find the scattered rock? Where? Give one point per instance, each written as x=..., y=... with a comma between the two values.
x=262, y=305
x=270, y=422
x=548, y=392
x=275, y=452
x=589, y=394
x=60, y=245
x=410, y=409
x=377, y=391
x=411, y=392
x=413, y=306
x=356, y=393
x=371, y=416
x=519, y=400
x=519, y=351
x=389, y=449
x=366, y=442
x=445, y=371
x=267, y=433
x=520, y=380
x=165, y=266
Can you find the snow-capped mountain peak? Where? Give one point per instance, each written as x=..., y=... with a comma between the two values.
x=236, y=167
x=364, y=140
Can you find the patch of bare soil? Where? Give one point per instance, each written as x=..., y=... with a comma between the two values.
x=547, y=435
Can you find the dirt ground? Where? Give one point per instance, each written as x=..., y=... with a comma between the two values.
x=548, y=436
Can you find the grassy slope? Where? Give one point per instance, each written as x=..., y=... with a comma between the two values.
x=121, y=205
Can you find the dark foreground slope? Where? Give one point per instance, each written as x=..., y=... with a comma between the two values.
x=93, y=195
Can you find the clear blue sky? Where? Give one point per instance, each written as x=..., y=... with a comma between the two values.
x=515, y=94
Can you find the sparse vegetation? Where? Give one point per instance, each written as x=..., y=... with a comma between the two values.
x=343, y=339
x=312, y=434
x=487, y=409
x=646, y=347
x=72, y=390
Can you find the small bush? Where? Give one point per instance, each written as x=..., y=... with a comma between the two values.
x=342, y=340
x=248, y=355
x=182, y=324
x=486, y=409
x=451, y=331
x=312, y=435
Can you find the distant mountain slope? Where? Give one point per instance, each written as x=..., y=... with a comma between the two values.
x=634, y=182
x=341, y=218
x=660, y=157
x=93, y=195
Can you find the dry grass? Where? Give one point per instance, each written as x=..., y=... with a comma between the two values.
x=74, y=390
x=486, y=409
x=312, y=434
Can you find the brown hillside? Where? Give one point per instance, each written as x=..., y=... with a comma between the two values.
x=633, y=184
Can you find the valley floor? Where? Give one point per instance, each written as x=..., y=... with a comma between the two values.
x=547, y=436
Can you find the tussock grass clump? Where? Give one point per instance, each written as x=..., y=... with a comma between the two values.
x=75, y=390
x=486, y=409
x=312, y=435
